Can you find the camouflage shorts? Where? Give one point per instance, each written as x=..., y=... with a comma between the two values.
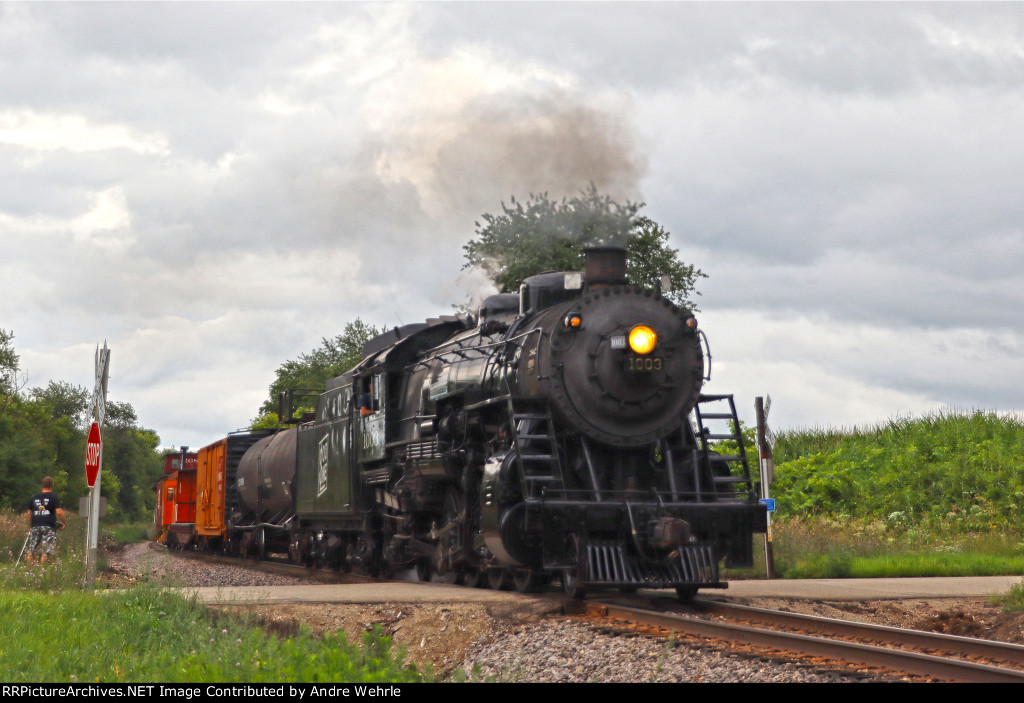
x=41, y=539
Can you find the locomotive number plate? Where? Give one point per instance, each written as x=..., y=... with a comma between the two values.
x=643, y=363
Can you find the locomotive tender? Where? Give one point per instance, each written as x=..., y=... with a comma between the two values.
x=561, y=434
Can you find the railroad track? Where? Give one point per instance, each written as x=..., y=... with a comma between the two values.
x=275, y=566
x=923, y=654
x=932, y=655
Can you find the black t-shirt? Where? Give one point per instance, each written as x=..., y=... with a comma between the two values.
x=44, y=509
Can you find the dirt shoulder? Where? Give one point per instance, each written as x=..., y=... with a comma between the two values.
x=446, y=634
x=967, y=617
x=439, y=634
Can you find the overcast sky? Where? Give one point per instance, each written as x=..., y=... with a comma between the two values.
x=213, y=188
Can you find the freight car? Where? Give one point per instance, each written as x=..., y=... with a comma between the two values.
x=175, y=505
x=561, y=434
x=197, y=505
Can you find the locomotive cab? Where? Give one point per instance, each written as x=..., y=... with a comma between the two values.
x=371, y=416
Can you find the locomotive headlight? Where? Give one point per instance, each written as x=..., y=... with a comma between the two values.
x=642, y=339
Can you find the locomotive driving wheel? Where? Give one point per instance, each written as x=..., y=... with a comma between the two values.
x=295, y=548
x=451, y=546
x=473, y=577
x=528, y=580
x=574, y=577
x=364, y=555
x=499, y=578
x=423, y=569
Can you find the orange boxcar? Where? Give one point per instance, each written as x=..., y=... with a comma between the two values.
x=216, y=494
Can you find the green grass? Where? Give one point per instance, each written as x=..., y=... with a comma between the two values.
x=129, y=533
x=929, y=496
x=902, y=564
x=838, y=548
x=147, y=635
x=65, y=568
x=947, y=474
x=1012, y=600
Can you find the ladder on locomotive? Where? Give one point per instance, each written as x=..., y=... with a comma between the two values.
x=700, y=472
x=730, y=473
x=535, y=445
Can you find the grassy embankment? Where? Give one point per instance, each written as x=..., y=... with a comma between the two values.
x=143, y=634
x=933, y=496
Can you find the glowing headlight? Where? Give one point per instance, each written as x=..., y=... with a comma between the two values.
x=642, y=339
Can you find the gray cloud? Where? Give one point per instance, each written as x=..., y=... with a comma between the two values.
x=215, y=187
x=833, y=48
x=216, y=206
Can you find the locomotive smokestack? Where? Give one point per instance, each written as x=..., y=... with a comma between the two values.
x=606, y=266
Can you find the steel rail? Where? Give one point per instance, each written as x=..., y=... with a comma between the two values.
x=854, y=652
x=972, y=646
x=269, y=565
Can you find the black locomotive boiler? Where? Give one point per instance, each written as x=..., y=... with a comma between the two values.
x=561, y=434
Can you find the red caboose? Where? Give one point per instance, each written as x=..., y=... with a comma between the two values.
x=176, y=500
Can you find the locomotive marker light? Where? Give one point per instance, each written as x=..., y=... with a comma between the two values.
x=573, y=321
x=642, y=339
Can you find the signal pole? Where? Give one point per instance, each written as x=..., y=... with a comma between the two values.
x=94, y=461
x=766, y=461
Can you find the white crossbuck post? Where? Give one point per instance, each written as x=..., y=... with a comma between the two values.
x=98, y=412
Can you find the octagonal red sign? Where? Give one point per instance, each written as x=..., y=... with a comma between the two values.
x=92, y=454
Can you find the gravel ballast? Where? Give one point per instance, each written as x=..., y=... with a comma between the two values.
x=510, y=641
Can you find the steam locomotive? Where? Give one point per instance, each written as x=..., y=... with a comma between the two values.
x=562, y=434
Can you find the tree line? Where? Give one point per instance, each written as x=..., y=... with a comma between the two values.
x=43, y=432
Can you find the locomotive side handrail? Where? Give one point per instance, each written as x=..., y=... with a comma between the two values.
x=707, y=352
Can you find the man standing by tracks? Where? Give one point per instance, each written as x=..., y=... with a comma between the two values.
x=43, y=511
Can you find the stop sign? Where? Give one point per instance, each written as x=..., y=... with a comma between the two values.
x=92, y=455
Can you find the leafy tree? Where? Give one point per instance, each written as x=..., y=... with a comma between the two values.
x=64, y=407
x=11, y=382
x=43, y=433
x=649, y=257
x=120, y=416
x=64, y=400
x=130, y=454
x=312, y=370
x=266, y=421
x=8, y=359
x=27, y=451
x=544, y=235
